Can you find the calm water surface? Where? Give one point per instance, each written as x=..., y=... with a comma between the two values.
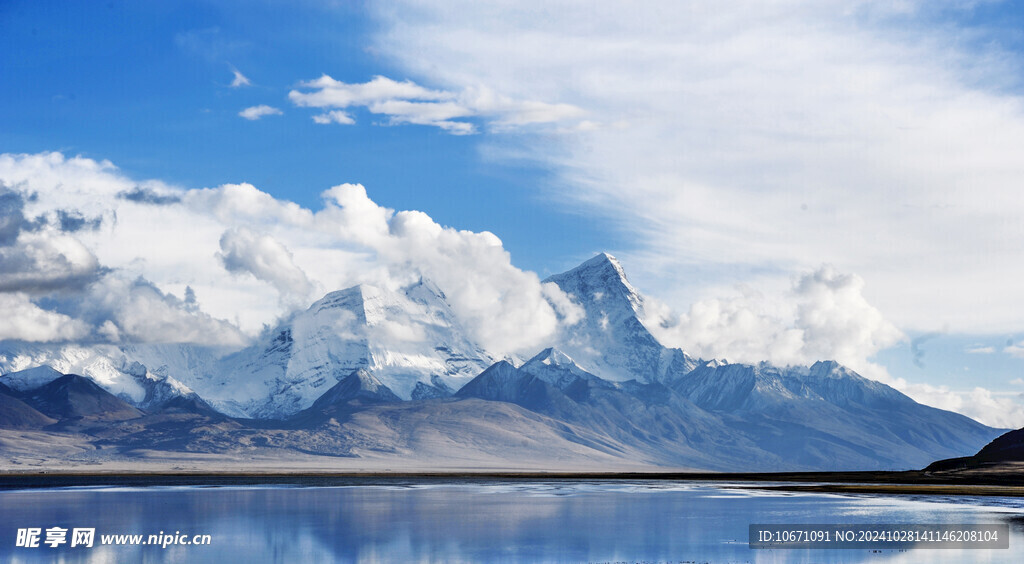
x=476, y=522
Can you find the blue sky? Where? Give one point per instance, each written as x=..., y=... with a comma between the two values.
x=790, y=181
x=147, y=86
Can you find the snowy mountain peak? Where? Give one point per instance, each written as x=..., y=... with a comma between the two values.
x=604, y=260
x=500, y=382
x=30, y=378
x=366, y=381
x=829, y=368
x=605, y=376
x=552, y=357
x=401, y=337
x=556, y=368
x=600, y=279
x=611, y=341
x=366, y=302
x=359, y=385
x=373, y=305
x=351, y=299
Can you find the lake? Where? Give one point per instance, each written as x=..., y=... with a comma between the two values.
x=471, y=521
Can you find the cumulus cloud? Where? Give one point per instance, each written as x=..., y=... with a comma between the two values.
x=837, y=321
x=46, y=261
x=1001, y=410
x=12, y=219
x=505, y=309
x=37, y=256
x=167, y=242
x=823, y=316
x=245, y=251
x=25, y=321
x=148, y=196
x=569, y=312
x=409, y=103
x=254, y=113
x=138, y=311
x=53, y=282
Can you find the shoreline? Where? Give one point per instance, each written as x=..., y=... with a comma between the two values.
x=996, y=482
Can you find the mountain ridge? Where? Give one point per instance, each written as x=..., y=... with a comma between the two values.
x=366, y=350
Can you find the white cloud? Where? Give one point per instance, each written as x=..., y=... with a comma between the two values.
x=569, y=312
x=239, y=79
x=505, y=309
x=167, y=243
x=837, y=321
x=990, y=408
x=46, y=261
x=979, y=349
x=329, y=93
x=24, y=320
x=53, y=287
x=253, y=113
x=138, y=311
x=1016, y=350
x=762, y=138
x=335, y=116
x=823, y=316
x=407, y=102
x=245, y=251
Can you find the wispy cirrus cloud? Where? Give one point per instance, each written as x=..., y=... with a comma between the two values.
x=762, y=139
x=239, y=80
x=757, y=141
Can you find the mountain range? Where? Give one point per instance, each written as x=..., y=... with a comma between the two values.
x=371, y=372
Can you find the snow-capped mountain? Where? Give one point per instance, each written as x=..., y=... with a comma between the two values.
x=121, y=370
x=556, y=368
x=814, y=416
x=824, y=417
x=606, y=378
x=611, y=341
x=408, y=339
x=359, y=385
